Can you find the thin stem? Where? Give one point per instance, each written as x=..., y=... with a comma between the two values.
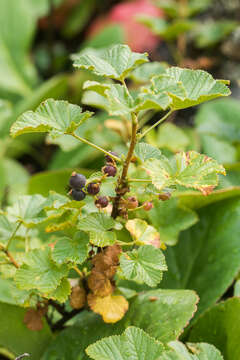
x=78, y=271
x=12, y=236
x=140, y=136
x=10, y=257
x=122, y=187
x=96, y=147
x=139, y=180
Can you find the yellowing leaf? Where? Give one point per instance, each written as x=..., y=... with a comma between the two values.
x=112, y=308
x=143, y=233
x=191, y=169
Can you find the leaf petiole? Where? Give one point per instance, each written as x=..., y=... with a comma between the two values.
x=140, y=136
x=12, y=236
x=95, y=147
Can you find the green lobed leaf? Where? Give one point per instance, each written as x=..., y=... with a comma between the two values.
x=74, y=250
x=99, y=227
x=17, y=338
x=198, y=351
x=145, y=151
x=143, y=265
x=10, y=294
x=163, y=318
x=207, y=256
x=133, y=343
x=115, y=62
x=170, y=218
x=28, y=209
x=199, y=86
x=189, y=169
x=54, y=116
x=162, y=313
x=219, y=326
x=40, y=272
x=61, y=293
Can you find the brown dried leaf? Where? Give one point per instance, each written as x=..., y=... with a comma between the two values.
x=33, y=320
x=107, y=261
x=99, y=284
x=112, y=308
x=77, y=297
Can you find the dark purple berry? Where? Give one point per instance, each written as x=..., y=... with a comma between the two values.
x=109, y=159
x=109, y=170
x=93, y=188
x=77, y=181
x=78, y=194
x=102, y=202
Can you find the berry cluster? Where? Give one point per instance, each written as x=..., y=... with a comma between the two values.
x=77, y=182
x=79, y=189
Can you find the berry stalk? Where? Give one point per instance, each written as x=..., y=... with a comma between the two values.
x=122, y=187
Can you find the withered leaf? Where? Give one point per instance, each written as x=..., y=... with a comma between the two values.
x=112, y=308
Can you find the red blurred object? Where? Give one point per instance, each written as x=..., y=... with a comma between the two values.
x=137, y=36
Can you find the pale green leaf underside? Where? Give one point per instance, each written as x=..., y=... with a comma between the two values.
x=199, y=86
x=40, y=272
x=145, y=151
x=28, y=209
x=74, y=250
x=182, y=88
x=144, y=265
x=54, y=116
x=191, y=169
x=117, y=100
x=134, y=343
x=115, y=62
